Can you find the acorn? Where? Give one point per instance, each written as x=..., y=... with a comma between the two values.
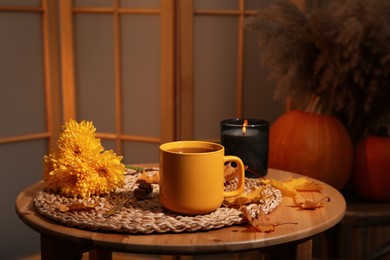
x=143, y=190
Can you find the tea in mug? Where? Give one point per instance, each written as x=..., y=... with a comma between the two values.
x=192, y=150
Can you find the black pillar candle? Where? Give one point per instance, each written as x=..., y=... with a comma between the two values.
x=247, y=139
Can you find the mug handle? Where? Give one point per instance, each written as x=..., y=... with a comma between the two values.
x=241, y=176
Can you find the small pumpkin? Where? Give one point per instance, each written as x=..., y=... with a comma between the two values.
x=313, y=145
x=371, y=171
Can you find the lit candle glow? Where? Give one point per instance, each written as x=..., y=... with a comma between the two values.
x=244, y=125
x=247, y=139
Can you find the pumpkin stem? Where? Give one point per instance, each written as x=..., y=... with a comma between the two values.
x=314, y=105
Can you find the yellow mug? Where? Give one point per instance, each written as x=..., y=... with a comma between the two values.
x=192, y=176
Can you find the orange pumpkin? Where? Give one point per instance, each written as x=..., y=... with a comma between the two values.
x=313, y=145
x=371, y=171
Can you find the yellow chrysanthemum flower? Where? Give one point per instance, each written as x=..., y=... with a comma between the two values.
x=108, y=171
x=79, y=139
x=80, y=167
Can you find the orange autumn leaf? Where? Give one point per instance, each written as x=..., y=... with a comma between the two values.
x=308, y=203
x=253, y=196
x=302, y=184
x=260, y=223
x=286, y=191
x=291, y=186
x=152, y=177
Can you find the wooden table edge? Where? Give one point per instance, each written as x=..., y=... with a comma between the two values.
x=34, y=220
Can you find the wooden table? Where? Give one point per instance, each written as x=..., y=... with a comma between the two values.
x=60, y=241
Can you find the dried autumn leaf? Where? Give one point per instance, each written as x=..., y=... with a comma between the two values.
x=290, y=187
x=63, y=208
x=286, y=191
x=259, y=223
x=308, y=203
x=152, y=177
x=253, y=196
x=235, y=202
x=302, y=184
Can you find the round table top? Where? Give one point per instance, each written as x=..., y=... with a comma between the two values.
x=230, y=239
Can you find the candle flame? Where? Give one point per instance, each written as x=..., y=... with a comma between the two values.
x=244, y=127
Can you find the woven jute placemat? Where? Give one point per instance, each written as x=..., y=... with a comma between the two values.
x=147, y=216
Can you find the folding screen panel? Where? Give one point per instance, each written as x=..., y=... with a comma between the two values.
x=220, y=75
x=29, y=109
x=118, y=71
x=29, y=71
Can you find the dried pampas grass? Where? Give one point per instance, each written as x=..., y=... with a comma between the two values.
x=340, y=53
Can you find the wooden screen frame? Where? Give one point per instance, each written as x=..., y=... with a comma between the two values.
x=167, y=16
x=48, y=10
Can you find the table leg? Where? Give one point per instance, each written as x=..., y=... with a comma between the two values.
x=52, y=248
x=304, y=250
x=100, y=255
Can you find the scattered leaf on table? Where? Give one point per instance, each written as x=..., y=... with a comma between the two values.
x=253, y=196
x=260, y=223
x=302, y=184
x=308, y=203
x=152, y=177
x=286, y=191
x=290, y=187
